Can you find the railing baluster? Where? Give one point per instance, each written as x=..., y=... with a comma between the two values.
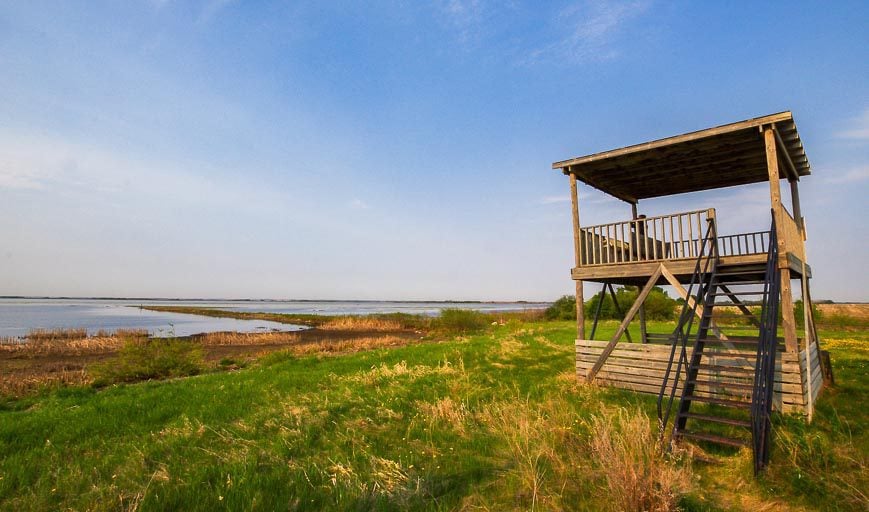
x=599, y=244
x=672, y=240
x=624, y=242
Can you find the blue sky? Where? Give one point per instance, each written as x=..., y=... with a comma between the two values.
x=393, y=150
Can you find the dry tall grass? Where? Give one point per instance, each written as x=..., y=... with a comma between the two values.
x=544, y=450
x=361, y=323
x=245, y=339
x=56, y=334
x=66, y=347
x=446, y=411
x=16, y=385
x=639, y=477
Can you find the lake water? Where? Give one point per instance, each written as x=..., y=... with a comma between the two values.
x=20, y=316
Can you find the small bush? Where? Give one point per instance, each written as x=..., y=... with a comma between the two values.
x=460, y=321
x=658, y=305
x=144, y=359
x=562, y=309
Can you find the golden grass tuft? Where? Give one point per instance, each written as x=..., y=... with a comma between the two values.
x=638, y=475
x=247, y=339
x=70, y=347
x=16, y=385
x=361, y=323
x=542, y=448
x=350, y=345
x=386, y=372
x=447, y=411
x=36, y=335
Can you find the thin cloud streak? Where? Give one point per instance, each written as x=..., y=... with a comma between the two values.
x=854, y=175
x=555, y=199
x=859, y=129
x=591, y=33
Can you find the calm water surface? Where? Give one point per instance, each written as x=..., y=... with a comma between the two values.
x=19, y=316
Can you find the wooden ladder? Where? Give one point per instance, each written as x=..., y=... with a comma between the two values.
x=731, y=379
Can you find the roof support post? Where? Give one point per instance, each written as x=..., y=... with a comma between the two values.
x=577, y=253
x=643, y=337
x=787, y=304
x=795, y=202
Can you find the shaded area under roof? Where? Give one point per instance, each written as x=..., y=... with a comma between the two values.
x=724, y=156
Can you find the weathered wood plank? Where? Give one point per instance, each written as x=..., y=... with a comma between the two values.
x=635, y=307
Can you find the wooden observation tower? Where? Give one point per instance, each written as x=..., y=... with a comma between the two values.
x=737, y=352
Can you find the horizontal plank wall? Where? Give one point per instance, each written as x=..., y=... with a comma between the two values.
x=641, y=367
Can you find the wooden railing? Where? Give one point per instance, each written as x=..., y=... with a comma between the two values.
x=743, y=243
x=666, y=237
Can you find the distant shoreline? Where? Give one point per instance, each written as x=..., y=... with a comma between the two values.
x=195, y=299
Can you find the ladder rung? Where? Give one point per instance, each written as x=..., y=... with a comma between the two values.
x=714, y=352
x=723, y=367
x=723, y=385
x=735, y=341
x=719, y=401
x=712, y=438
x=753, y=292
x=718, y=419
x=740, y=283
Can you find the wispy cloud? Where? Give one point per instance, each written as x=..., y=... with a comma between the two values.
x=588, y=31
x=859, y=128
x=358, y=204
x=211, y=9
x=555, y=199
x=57, y=167
x=463, y=16
x=854, y=175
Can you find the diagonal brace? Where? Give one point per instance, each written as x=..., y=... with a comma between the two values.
x=635, y=308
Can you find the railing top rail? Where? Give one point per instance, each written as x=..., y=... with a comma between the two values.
x=766, y=232
x=657, y=217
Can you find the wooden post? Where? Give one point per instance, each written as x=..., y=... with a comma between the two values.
x=795, y=202
x=577, y=253
x=643, y=337
x=787, y=301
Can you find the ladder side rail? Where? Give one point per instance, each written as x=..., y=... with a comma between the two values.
x=764, y=376
x=706, y=261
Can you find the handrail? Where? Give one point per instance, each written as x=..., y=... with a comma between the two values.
x=658, y=217
x=663, y=237
x=704, y=273
x=764, y=368
x=743, y=243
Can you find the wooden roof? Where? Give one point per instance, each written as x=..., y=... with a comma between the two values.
x=724, y=156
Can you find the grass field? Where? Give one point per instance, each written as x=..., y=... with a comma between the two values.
x=493, y=421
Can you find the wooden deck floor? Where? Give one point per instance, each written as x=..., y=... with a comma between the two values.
x=637, y=273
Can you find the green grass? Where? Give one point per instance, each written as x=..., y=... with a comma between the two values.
x=493, y=420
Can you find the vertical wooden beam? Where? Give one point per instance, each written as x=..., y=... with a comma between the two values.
x=643, y=337
x=577, y=252
x=787, y=300
x=795, y=202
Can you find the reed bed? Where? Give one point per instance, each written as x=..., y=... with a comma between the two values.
x=246, y=339
x=14, y=385
x=361, y=323
x=57, y=334
x=122, y=333
x=71, y=347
